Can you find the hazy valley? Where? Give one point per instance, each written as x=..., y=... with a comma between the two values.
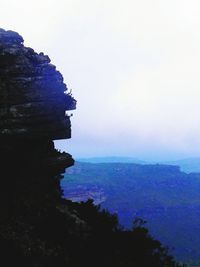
x=167, y=198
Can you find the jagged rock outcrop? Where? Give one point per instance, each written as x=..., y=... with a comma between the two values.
x=33, y=100
x=38, y=228
x=33, y=96
x=33, y=104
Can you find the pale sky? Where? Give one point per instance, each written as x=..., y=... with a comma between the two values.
x=133, y=66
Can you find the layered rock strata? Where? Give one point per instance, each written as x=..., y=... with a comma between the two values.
x=33, y=105
x=33, y=96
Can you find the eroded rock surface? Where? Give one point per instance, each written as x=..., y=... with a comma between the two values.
x=38, y=228
x=33, y=96
x=33, y=104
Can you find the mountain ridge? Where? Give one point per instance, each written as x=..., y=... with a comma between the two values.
x=188, y=165
x=163, y=195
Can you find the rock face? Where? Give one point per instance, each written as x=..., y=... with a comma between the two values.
x=33, y=104
x=33, y=97
x=38, y=227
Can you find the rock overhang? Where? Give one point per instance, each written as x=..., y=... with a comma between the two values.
x=33, y=97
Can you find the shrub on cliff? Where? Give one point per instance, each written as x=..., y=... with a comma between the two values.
x=108, y=244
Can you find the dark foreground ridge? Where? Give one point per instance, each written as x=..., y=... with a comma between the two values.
x=38, y=228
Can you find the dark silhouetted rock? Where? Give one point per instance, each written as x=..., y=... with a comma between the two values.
x=33, y=104
x=38, y=227
x=33, y=96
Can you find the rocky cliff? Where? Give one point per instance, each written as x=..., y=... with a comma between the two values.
x=33, y=96
x=33, y=105
x=38, y=227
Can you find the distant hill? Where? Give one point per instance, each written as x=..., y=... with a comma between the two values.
x=111, y=160
x=187, y=165
x=161, y=194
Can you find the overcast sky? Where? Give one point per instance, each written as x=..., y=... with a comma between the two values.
x=133, y=66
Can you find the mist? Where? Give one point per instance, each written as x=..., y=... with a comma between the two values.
x=133, y=67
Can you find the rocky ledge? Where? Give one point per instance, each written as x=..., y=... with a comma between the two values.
x=33, y=105
x=33, y=97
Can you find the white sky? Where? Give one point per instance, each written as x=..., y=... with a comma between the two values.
x=133, y=66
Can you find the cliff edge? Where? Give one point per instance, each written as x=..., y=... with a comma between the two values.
x=38, y=227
